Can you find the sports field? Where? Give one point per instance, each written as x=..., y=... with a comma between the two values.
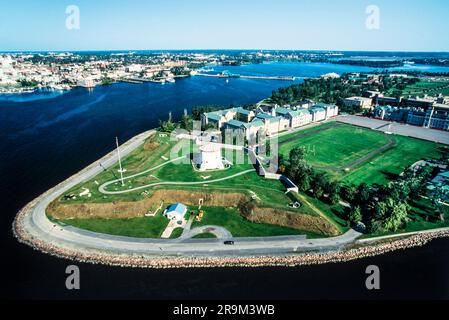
x=423, y=87
x=357, y=155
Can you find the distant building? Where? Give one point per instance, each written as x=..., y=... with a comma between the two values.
x=273, y=124
x=244, y=115
x=331, y=109
x=358, y=102
x=331, y=75
x=418, y=113
x=85, y=82
x=176, y=212
x=417, y=102
x=391, y=113
x=371, y=94
x=249, y=130
x=318, y=114
x=295, y=118
x=271, y=119
x=387, y=101
x=218, y=118
x=304, y=104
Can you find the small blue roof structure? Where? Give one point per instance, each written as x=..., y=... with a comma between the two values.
x=178, y=208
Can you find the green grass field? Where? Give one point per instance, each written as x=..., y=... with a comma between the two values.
x=204, y=236
x=240, y=227
x=393, y=161
x=336, y=146
x=339, y=146
x=142, y=227
x=431, y=88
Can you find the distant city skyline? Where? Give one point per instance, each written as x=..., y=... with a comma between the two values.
x=406, y=26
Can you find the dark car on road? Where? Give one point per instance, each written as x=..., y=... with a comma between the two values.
x=229, y=242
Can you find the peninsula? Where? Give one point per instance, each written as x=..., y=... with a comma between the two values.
x=286, y=181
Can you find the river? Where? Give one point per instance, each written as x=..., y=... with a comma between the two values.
x=45, y=137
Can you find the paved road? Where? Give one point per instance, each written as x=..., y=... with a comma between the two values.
x=36, y=223
x=397, y=128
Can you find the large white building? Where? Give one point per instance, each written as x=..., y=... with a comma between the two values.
x=209, y=157
x=268, y=118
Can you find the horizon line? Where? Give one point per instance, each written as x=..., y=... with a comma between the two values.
x=221, y=49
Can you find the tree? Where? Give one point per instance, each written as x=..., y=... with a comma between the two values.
x=168, y=125
x=319, y=182
x=333, y=191
x=348, y=192
x=396, y=217
x=380, y=210
x=297, y=155
x=186, y=122
x=355, y=216
x=297, y=169
x=363, y=194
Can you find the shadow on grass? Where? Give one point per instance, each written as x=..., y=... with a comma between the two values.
x=390, y=175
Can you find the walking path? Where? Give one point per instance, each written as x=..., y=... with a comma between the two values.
x=219, y=232
x=165, y=183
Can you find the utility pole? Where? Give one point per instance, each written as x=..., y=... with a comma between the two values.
x=119, y=161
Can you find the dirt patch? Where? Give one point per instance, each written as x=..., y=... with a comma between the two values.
x=132, y=209
x=151, y=144
x=293, y=220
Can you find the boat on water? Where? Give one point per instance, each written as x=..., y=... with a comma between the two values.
x=170, y=80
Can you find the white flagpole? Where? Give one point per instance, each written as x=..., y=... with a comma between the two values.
x=119, y=161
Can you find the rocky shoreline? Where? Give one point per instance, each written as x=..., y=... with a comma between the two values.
x=161, y=262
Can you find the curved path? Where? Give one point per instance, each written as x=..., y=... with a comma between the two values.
x=219, y=232
x=174, y=183
x=33, y=226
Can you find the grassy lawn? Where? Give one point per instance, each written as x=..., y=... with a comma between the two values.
x=240, y=227
x=337, y=146
x=204, y=236
x=145, y=227
x=335, y=213
x=341, y=145
x=176, y=233
x=392, y=162
x=432, y=88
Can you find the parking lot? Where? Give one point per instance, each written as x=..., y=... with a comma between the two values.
x=397, y=128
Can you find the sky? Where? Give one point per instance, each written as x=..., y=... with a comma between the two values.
x=403, y=25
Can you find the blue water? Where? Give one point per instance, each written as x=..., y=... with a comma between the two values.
x=304, y=69
x=46, y=137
